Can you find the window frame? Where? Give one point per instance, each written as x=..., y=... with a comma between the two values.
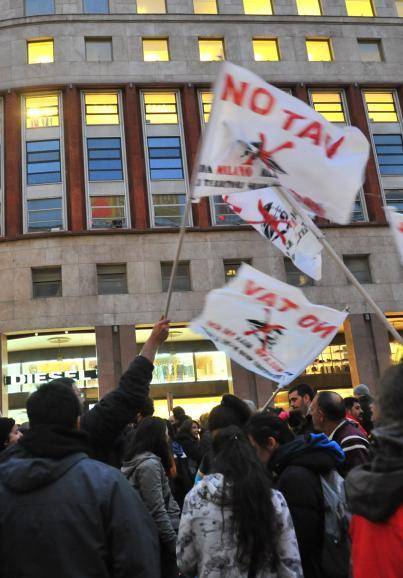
x=390, y=154
x=90, y=12
x=39, y=13
x=393, y=204
x=109, y=196
x=212, y=39
x=320, y=9
x=271, y=13
x=29, y=163
x=30, y=211
x=88, y=40
x=30, y=42
x=395, y=100
x=206, y=13
x=89, y=160
x=370, y=2
x=375, y=42
x=366, y=257
x=34, y=283
x=156, y=39
x=165, y=279
x=317, y=40
x=105, y=275
x=151, y=157
x=267, y=39
x=165, y=6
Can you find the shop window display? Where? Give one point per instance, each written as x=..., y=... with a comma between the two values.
x=190, y=367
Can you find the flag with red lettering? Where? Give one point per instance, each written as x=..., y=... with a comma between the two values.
x=396, y=224
x=260, y=136
x=273, y=217
x=267, y=326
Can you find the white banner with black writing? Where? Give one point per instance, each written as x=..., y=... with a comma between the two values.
x=267, y=326
x=259, y=136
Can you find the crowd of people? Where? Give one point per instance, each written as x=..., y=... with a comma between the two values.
x=314, y=490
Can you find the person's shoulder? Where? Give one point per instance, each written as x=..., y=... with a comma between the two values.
x=349, y=430
x=99, y=471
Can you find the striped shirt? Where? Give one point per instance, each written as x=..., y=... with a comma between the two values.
x=354, y=444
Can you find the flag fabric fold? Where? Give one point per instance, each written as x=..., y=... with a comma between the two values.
x=396, y=225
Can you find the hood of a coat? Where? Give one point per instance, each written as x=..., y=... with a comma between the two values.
x=211, y=488
x=314, y=451
x=375, y=490
x=129, y=466
x=20, y=472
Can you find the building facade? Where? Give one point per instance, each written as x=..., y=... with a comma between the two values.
x=102, y=107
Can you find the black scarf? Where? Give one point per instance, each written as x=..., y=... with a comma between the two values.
x=51, y=441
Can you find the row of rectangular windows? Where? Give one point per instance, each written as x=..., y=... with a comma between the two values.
x=210, y=50
x=112, y=279
x=165, y=160
x=256, y=7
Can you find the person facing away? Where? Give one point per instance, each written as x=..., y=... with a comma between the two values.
x=148, y=464
x=354, y=412
x=233, y=523
x=67, y=514
x=328, y=412
x=375, y=490
x=300, y=398
x=296, y=464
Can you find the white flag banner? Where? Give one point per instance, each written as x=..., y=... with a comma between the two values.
x=274, y=218
x=267, y=326
x=396, y=224
x=258, y=136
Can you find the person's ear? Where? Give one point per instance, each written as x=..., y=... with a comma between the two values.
x=271, y=443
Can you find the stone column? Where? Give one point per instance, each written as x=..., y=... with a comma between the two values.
x=368, y=349
x=116, y=348
x=244, y=382
x=3, y=373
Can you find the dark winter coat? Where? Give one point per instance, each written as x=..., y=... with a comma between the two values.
x=106, y=421
x=72, y=517
x=297, y=467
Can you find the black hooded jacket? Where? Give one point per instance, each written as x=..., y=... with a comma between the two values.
x=71, y=516
x=297, y=467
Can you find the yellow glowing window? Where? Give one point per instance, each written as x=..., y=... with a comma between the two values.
x=359, y=8
x=205, y=6
x=381, y=106
x=155, y=49
x=265, y=49
x=329, y=105
x=101, y=108
x=257, y=7
x=309, y=7
x=160, y=108
x=40, y=51
x=151, y=7
x=399, y=7
x=207, y=101
x=319, y=50
x=41, y=111
x=211, y=49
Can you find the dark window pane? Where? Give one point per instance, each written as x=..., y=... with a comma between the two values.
x=47, y=282
x=182, y=280
x=112, y=279
x=294, y=276
x=359, y=267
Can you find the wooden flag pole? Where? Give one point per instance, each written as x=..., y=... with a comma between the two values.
x=272, y=397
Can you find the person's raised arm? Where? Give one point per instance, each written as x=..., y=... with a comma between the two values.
x=158, y=335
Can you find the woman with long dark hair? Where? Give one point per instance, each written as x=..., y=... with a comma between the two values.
x=233, y=523
x=147, y=467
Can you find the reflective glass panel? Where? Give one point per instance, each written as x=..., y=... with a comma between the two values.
x=359, y=8
x=318, y=50
x=160, y=108
x=43, y=162
x=40, y=51
x=211, y=49
x=257, y=7
x=41, y=111
x=108, y=212
x=104, y=159
x=381, y=106
x=155, y=49
x=44, y=214
x=265, y=49
x=101, y=108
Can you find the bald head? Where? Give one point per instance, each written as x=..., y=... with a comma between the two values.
x=328, y=410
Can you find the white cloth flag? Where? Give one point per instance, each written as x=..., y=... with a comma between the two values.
x=396, y=224
x=258, y=136
x=267, y=326
x=272, y=216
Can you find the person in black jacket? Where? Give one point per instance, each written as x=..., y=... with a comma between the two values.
x=296, y=464
x=188, y=438
x=106, y=421
x=63, y=514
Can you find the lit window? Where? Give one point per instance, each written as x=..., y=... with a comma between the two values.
x=112, y=279
x=223, y=214
x=44, y=215
x=108, y=212
x=96, y=6
x=182, y=279
x=381, y=106
x=165, y=158
x=155, y=49
x=206, y=101
x=309, y=7
x=257, y=7
x=40, y=51
x=399, y=7
x=329, y=105
x=265, y=49
x=370, y=50
x=101, y=108
x=98, y=49
x=294, y=276
x=319, y=50
x=151, y=7
x=43, y=162
x=389, y=151
x=38, y=7
x=46, y=282
x=358, y=265
x=168, y=209
x=359, y=8
x=104, y=159
x=160, y=108
x=394, y=198
x=41, y=111
x=205, y=6
x=231, y=268
x=211, y=49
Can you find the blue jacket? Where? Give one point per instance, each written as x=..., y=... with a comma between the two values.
x=72, y=518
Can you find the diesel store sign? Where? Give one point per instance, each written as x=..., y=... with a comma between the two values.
x=38, y=378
